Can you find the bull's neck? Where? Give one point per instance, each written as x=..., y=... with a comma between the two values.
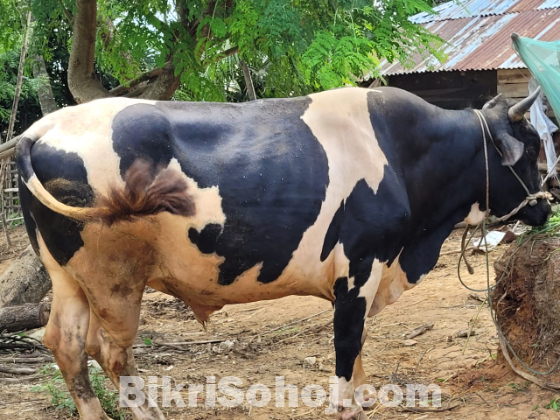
x=445, y=173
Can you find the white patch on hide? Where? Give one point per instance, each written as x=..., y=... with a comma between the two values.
x=475, y=216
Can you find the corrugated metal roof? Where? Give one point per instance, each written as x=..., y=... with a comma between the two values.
x=478, y=8
x=550, y=4
x=484, y=42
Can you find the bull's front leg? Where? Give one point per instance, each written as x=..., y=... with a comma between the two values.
x=353, y=299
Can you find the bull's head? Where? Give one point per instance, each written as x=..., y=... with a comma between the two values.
x=519, y=145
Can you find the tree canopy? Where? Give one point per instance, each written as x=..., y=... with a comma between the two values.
x=195, y=49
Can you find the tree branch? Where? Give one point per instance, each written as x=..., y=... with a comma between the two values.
x=107, y=36
x=137, y=92
x=119, y=90
x=164, y=86
x=82, y=81
x=227, y=53
x=66, y=12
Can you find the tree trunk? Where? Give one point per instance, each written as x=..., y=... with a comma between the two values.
x=26, y=281
x=45, y=93
x=164, y=86
x=82, y=81
x=24, y=317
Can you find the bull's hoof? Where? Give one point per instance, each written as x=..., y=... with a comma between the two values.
x=351, y=413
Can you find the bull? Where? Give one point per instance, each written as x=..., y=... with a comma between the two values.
x=346, y=195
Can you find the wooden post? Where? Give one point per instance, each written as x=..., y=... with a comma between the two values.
x=249, y=82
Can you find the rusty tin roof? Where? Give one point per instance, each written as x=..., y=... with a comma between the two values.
x=478, y=33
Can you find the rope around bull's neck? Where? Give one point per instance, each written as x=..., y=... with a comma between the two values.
x=531, y=199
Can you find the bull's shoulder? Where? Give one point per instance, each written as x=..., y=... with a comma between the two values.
x=371, y=222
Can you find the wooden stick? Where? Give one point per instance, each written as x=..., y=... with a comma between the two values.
x=249, y=82
x=42, y=359
x=295, y=322
x=17, y=370
x=19, y=80
x=9, y=145
x=457, y=251
x=181, y=343
x=477, y=297
x=429, y=409
x=421, y=358
x=20, y=380
x=419, y=331
x=319, y=328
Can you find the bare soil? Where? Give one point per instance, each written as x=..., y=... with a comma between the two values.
x=261, y=346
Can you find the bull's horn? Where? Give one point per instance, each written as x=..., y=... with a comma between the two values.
x=517, y=111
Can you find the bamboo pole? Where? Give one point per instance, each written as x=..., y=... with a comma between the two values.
x=13, y=121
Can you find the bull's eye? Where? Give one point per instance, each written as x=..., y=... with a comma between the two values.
x=531, y=153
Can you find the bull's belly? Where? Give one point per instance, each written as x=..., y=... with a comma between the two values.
x=157, y=251
x=159, y=248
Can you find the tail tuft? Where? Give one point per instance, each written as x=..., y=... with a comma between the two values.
x=147, y=192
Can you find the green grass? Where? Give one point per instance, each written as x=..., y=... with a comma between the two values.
x=550, y=228
x=553, y=404
x=60, y=398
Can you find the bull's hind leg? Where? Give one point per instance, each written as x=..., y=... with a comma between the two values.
x=353, y=300
x=110, y=342
x=65, y=336
x=114, y=279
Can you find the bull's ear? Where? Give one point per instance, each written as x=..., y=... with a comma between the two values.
x=492, y=102
x=511, y=148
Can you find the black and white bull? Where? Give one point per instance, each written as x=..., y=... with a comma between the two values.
x=346, y=195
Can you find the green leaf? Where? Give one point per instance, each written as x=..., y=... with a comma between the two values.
x=218, y=27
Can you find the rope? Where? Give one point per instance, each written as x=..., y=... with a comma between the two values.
x=531, y=200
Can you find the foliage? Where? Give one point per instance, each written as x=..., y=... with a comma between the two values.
x=61, y=399
x=49, y=38
x=28, y=105
x=553, y=404
x=292, y=47
x=297, y=46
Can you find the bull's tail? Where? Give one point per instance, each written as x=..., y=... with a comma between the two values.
x=146, y=192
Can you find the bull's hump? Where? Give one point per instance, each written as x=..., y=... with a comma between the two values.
x=340, y=120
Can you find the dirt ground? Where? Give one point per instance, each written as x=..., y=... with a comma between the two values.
x=266, y=339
